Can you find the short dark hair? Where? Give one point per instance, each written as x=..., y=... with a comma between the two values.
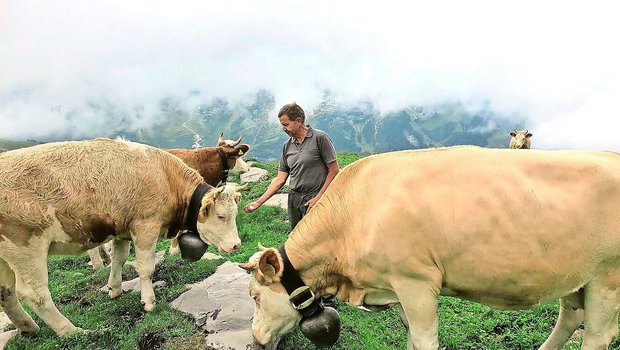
x=293, y=111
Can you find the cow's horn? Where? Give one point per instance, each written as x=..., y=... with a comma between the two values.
x=322, y=328
x=238, y=140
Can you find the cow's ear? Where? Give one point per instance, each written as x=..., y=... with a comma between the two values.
x=528, y=135
x=242, y=149
x=513, y=134
x=237, y=197
x=270, y=266
x=209, y=200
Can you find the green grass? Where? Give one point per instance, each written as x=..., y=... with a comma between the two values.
x=122, y=324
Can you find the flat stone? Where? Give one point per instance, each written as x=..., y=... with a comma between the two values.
x=221, y=307
x=133, y=285
x=254, y=175
x=4, y=321
x=6, y=336
x=278, y=200
x=211, y=256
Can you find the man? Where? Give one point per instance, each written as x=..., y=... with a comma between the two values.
x=308, y=157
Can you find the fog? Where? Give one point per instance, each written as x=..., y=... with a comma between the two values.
x=554, y=64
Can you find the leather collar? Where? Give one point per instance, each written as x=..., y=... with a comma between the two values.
x=224, y=160
x=300, y=295
x=194, y=206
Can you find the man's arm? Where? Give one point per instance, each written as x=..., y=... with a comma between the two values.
x=273, y=188
x=332, y=171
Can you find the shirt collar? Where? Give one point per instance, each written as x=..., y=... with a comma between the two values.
x=308, y=134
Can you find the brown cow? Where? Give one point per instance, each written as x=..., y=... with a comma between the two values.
x=210, y=161
x=67, y=197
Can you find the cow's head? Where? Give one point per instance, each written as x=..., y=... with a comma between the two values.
x=217, y=222
x=233, y=150
x=274, y=314
x=520, y=139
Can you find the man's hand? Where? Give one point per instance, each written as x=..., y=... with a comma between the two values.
x=251, y=207
x=312, y=202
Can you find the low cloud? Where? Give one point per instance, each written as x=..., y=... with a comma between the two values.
x=553, y=64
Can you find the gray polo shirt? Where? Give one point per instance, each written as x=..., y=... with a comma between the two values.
x=306, y=163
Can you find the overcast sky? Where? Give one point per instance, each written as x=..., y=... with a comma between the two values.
x=554, y=63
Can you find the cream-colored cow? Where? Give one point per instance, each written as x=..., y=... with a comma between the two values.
x=209, y=162
x=67, y=197
x=520, y=139
x=466, y=222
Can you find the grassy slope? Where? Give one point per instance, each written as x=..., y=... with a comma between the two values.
x=122, y=324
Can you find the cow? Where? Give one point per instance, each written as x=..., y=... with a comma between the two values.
x=240, y=166
x=67, y=197
x=212, y=163
x=520, y=139
x=466, y=222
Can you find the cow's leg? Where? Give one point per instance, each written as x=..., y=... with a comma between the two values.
x=419, y=303
x=145, y=242
x=33, y=276
x=120, y=251
x=601, y=313
x=95, y=258
x=571, y=316
x=403, y=319
x=174, y=246
x=10, y=302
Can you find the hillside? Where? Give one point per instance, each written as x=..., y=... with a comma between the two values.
x=7, y=145
x=356, y=127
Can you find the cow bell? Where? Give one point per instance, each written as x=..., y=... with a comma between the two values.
x=191, y=246
x=322, y=328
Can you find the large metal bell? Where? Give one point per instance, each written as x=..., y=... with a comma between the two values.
x=322, y=328
x=191, y=246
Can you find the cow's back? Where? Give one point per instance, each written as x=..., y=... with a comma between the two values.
x=110, y=182
x=486, y=218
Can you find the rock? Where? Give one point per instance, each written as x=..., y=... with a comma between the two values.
x=278, y=200
x=133, y=285
x=221, y=307
x=254, y=175
x=4, y=321
x=211, y=256
x=6, y=336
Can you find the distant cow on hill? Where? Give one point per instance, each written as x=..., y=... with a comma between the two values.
x=67, y=197
x=520, y=139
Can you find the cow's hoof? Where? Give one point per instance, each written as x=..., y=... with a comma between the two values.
x=115, y=293
x=149, y=307
x=28, y=329
x=72, y=330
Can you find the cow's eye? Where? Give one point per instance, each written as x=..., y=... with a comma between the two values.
x=220, y=216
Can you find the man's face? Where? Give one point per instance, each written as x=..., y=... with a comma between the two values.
x=290, y=127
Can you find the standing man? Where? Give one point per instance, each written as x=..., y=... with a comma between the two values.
x=308, y=157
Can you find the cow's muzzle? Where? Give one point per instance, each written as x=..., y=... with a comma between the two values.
x=322, y=328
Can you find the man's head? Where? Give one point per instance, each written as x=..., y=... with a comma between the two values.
x=292, y=118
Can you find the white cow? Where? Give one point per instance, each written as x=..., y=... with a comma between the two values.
x=511, y=230
x=520, y=139
x=67, y=197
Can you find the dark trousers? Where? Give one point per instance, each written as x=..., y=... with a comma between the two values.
x=297, y=206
